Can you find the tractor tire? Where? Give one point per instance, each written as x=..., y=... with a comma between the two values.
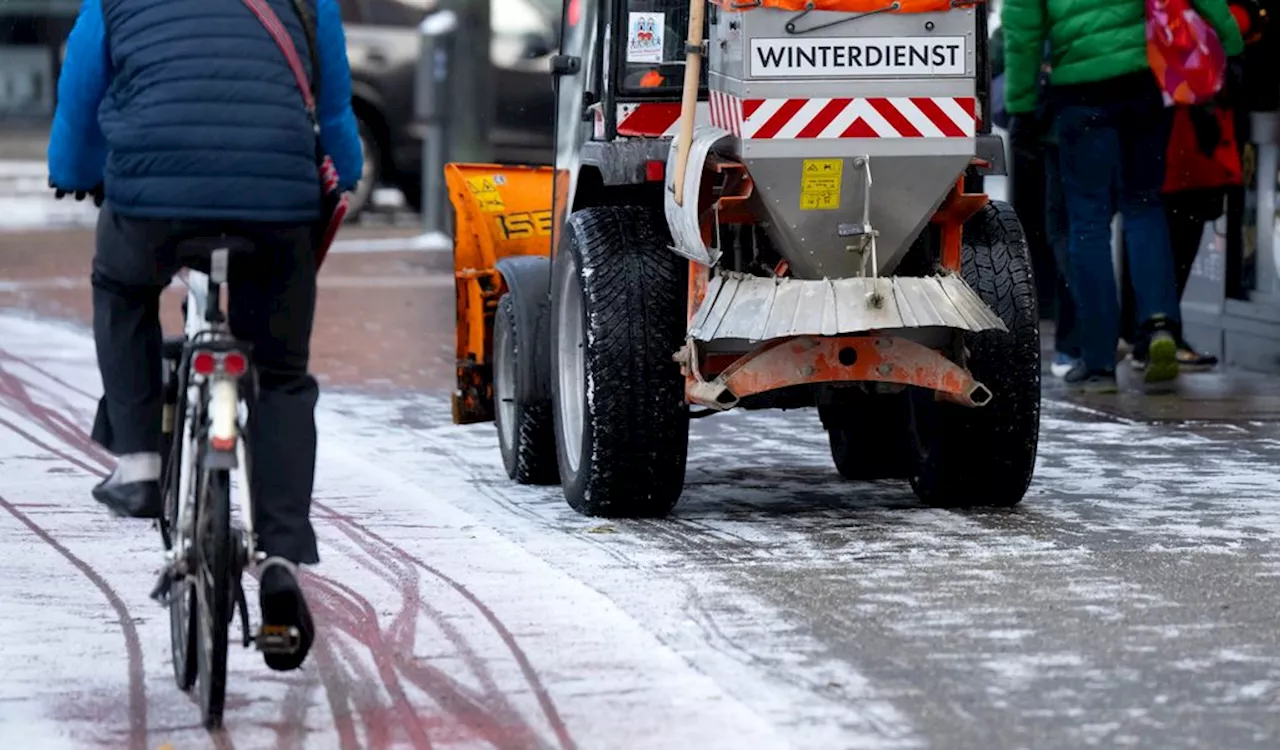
x=526, y=437
x=985, y=456
x=617, y=317
x=871, y=439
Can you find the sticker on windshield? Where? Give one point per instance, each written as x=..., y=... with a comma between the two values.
x=644, y=37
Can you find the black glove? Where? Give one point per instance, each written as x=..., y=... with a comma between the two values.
x=95, y=192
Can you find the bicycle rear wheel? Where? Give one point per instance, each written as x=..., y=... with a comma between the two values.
x=182, y=609
x=213, y=592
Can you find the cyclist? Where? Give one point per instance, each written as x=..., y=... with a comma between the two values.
x=186, y=121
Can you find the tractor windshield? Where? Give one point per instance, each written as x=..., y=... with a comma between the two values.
x=653, y=55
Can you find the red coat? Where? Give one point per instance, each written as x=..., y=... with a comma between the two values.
x=1187, y=167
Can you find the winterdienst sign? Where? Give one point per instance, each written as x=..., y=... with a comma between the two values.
x=857, y=56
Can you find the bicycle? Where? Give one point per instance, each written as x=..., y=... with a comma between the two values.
x=210, y=386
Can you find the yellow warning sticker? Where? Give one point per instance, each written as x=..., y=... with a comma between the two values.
x=820, y=184
x=485, y=190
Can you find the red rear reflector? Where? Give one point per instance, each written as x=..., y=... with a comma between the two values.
x=203, y=363
x=222, y=444
x=234, y=364
x=654, y=170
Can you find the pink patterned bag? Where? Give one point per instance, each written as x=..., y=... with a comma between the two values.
x=1184, y=53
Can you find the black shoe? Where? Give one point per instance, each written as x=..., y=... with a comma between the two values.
x=1192, y=360
x=1086, y=380
x=287, y=629
x=1157, y=355
x=131, y=500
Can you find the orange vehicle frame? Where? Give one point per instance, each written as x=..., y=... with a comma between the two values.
x=502, y=211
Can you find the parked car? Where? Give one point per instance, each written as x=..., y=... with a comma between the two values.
x=382, y=45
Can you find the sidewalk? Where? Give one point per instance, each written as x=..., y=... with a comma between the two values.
x=384, y=321
x=1220, y=395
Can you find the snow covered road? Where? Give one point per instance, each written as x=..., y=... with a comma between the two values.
x=1130, y=601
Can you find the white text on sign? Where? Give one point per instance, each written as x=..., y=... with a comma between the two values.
x=854, y=56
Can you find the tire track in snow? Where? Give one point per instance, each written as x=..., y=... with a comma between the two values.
x=488, y=714
x=363, y=536
x=15, y=390
x=340, y=606
x=133, y=646
x=759, y=632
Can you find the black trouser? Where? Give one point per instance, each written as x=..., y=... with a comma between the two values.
x=1187, y=212
x=1058, y=234
x=271, y=296
x=1030, y=167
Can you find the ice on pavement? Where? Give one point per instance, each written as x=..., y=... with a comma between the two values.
x=779, y=607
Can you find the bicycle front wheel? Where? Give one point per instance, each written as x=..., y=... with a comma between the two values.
x=214, y=570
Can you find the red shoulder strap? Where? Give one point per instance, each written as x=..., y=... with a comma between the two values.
x=271, y=22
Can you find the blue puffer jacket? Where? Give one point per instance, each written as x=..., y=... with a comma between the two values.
x=186, y=109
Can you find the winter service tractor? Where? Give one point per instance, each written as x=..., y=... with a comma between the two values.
x=755, y=204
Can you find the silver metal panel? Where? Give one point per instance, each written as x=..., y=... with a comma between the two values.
x=752, y=308
x=943, y=307
x=956, y=294
x=785, y=311
x=905, y=192
x=686, y=233
x=910, y=175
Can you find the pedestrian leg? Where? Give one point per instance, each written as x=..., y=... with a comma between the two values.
x=1144, y=134
x=1058, y=233
x=1089, y=147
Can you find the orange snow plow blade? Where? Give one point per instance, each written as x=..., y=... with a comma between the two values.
x=501, y=211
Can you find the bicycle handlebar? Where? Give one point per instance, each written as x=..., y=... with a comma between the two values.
x=96, y=193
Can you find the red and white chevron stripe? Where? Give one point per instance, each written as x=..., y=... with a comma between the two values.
x=655, y=119
x=726, y=112
x=833, y=118
x=830, y=118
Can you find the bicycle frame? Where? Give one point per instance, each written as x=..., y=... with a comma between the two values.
x=205, y=327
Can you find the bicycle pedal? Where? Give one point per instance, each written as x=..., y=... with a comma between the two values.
x=278, y=639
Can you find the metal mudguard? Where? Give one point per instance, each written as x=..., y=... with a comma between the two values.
x=753, y=308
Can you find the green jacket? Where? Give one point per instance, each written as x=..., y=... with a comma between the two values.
x=1089, y=40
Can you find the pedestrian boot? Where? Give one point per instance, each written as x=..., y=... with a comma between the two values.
x=286, y=620
x=1085, y=380
x=1157, y=354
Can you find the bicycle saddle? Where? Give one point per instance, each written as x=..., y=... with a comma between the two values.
x=206, y=245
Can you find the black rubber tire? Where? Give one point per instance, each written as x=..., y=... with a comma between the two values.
x=635, y=436
x=531, y=458
x=871, y=439
x=985, y=456
x=182, y=610
x=213, y=593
